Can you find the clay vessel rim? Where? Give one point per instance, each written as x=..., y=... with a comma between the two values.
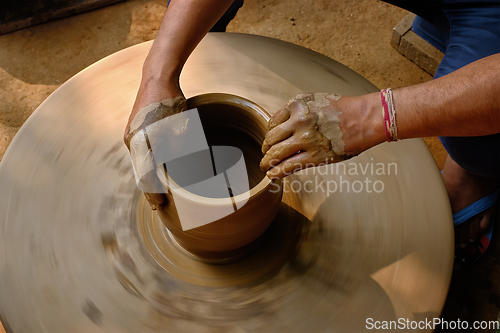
x=237, y=101
x=229, y=99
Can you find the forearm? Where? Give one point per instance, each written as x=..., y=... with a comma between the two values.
x=463, y=103
x=185, y=23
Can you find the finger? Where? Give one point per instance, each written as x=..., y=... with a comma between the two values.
x=291, y=165
x=277, y=134
x=487, y=219
x=125, y=136
x=474, y=229
x=279, y=152
x=156, y=199
x=151, y=185
x=279, y=117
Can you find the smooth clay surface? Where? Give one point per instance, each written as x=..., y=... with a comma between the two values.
x=70, y=215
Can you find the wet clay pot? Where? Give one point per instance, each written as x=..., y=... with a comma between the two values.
x=233, y=121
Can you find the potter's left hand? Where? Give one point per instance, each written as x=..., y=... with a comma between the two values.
x=156, y=100
x=315, y=129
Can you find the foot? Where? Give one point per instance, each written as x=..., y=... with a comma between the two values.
x=465, y=188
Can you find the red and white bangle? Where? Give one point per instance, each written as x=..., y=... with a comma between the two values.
x=391, y=130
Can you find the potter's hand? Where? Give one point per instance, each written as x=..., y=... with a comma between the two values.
x=311, y=130
x=155, y=101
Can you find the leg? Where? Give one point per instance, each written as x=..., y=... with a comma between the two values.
x=465, y=188
x=472, y=168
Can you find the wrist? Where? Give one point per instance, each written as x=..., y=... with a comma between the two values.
x=367, y=128
x=160, y=78
x=375, y=120
x=160, y=73
x=159, y=67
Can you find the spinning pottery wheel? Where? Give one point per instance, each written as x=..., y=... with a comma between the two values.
x=80, y=250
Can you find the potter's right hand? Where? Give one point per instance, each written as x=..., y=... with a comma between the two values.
x=156, y=100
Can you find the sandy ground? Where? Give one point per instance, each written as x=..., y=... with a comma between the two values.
x=36, y=60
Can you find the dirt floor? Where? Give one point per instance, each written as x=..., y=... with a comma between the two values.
x=36, y=60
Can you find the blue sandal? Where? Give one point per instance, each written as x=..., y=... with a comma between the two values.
x=473, y=253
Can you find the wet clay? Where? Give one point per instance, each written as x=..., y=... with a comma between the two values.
x=305, y=132
x=154, y=112
x=328, y=122
x=140, y=154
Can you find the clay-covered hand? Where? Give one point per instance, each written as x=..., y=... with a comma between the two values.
x=155, y=100
x=306, y=132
